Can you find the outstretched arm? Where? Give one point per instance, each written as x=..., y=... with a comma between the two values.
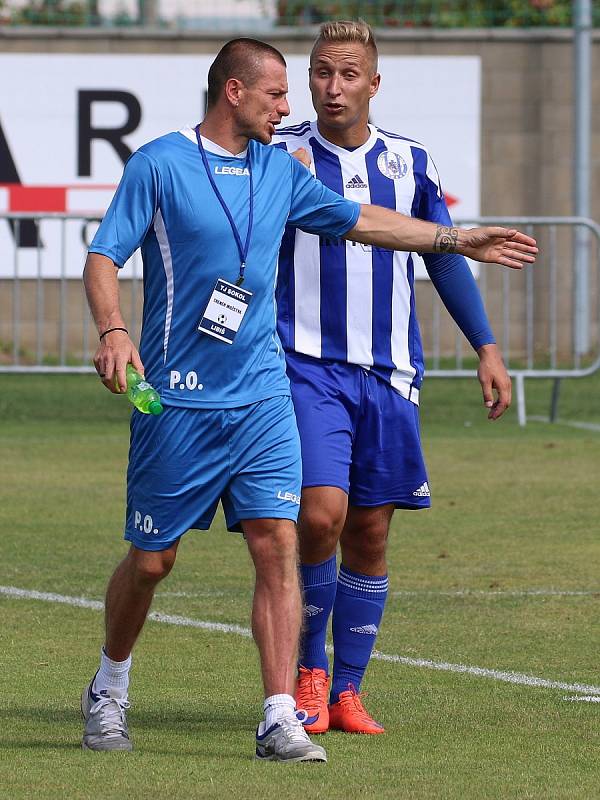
x=116, y=349
x=392, y=231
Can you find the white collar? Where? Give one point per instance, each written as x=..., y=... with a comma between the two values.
x=189, y=132
x=334, y=148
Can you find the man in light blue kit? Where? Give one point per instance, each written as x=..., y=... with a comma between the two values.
x=346, y=319
x=208, y=207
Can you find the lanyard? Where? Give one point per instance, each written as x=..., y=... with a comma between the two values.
x=242, y=250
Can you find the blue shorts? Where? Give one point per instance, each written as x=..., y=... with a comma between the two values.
x=358, y=434
x=184, y=461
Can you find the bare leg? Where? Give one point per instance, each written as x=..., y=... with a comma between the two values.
x=276, y=610
x=129, y=596
x=364, y=539
x=322, y=515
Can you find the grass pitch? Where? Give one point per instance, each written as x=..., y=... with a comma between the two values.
x=501, y=574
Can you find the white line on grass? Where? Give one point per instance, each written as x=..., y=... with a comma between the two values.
x=423, y=593
x=497, y=593
x=583, y=699
x=170, y=619
x=98, y=605
x=585, y=426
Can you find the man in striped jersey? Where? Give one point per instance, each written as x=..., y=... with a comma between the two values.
x=346, y=317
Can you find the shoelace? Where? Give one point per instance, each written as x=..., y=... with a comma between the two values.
x=112, y=718
x=292, y=727
x=318, y=685
x=354, y=702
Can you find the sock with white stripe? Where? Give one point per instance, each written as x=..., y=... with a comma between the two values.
x=319, y=581
x=357, y=611
x=113, y=677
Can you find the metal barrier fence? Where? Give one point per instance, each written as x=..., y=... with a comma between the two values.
x=546, y=318
x=550, y=326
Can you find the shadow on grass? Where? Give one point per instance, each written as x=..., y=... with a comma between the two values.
x=175, y=720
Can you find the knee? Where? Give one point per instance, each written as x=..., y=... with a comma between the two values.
x=319, y=529
x=366, y=546
x=149, y=568
x=273, y=544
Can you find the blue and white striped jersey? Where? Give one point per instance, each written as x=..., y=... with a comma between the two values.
x=166, y=204
x=351, y=302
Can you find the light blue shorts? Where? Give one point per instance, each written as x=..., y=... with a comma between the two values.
x=184, y=461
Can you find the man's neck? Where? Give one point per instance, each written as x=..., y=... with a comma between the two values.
x=353, y=137
x=220, y=131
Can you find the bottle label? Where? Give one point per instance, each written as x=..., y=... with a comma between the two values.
x=143, y=385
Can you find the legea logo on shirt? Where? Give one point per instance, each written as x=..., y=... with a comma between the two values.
x=232, y=171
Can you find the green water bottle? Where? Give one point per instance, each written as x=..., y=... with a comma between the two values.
x=143, y=396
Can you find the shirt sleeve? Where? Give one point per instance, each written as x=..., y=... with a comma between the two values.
x=131, y=211
x=449, y=272
x=315, y=208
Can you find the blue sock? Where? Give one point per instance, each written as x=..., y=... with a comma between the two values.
x=357, y=612
x=319, y=582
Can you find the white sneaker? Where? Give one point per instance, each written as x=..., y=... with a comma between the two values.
x=287, y=740
x=105, y=722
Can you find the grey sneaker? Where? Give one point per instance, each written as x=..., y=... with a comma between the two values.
x=105, y=722
x=287, y=741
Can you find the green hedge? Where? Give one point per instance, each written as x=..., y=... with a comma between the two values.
x=379, y=13
x=432, y=13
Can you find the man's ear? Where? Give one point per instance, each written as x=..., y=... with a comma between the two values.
x=233, y=91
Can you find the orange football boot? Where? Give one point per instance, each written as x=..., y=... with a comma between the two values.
x=349, y=714
x=312, y=690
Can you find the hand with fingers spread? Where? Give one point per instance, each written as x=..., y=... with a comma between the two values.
x=493, y=378
x=505, y=246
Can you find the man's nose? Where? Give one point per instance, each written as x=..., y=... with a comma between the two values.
x=284, y=108
x=333, y=87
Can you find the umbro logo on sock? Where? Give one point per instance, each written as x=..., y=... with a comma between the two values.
x=312, y=611
x=422, y=491
x=356, y=183
x=369, y=629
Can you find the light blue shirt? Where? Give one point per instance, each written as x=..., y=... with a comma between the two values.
x=166, y=205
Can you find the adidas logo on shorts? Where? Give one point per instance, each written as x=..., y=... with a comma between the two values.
x=422, y=491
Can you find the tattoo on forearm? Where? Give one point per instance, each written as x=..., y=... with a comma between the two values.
x=445, y=239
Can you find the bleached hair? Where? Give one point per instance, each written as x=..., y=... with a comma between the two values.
x=349, y=31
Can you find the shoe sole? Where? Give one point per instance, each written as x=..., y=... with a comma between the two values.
x=84, y=746
x=317, y=729
x=314, y=758
x=362, y=733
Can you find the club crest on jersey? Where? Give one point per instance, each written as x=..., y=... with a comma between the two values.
x=392, y=165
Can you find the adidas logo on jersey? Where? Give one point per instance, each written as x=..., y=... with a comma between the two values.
x=422, y=491
x=369, y=629
x=356, y=183
x=312, y=611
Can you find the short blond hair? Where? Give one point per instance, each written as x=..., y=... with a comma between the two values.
x=353, y=31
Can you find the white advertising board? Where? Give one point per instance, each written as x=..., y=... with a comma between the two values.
x=68, y=122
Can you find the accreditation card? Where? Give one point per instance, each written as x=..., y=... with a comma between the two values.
x=225, y=311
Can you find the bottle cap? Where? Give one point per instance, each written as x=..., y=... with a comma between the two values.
x=155, y=407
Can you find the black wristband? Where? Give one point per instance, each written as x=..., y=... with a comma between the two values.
x=110, y=330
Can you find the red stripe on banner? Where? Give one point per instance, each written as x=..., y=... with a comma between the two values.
x=450, y=199
x=36, y=198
